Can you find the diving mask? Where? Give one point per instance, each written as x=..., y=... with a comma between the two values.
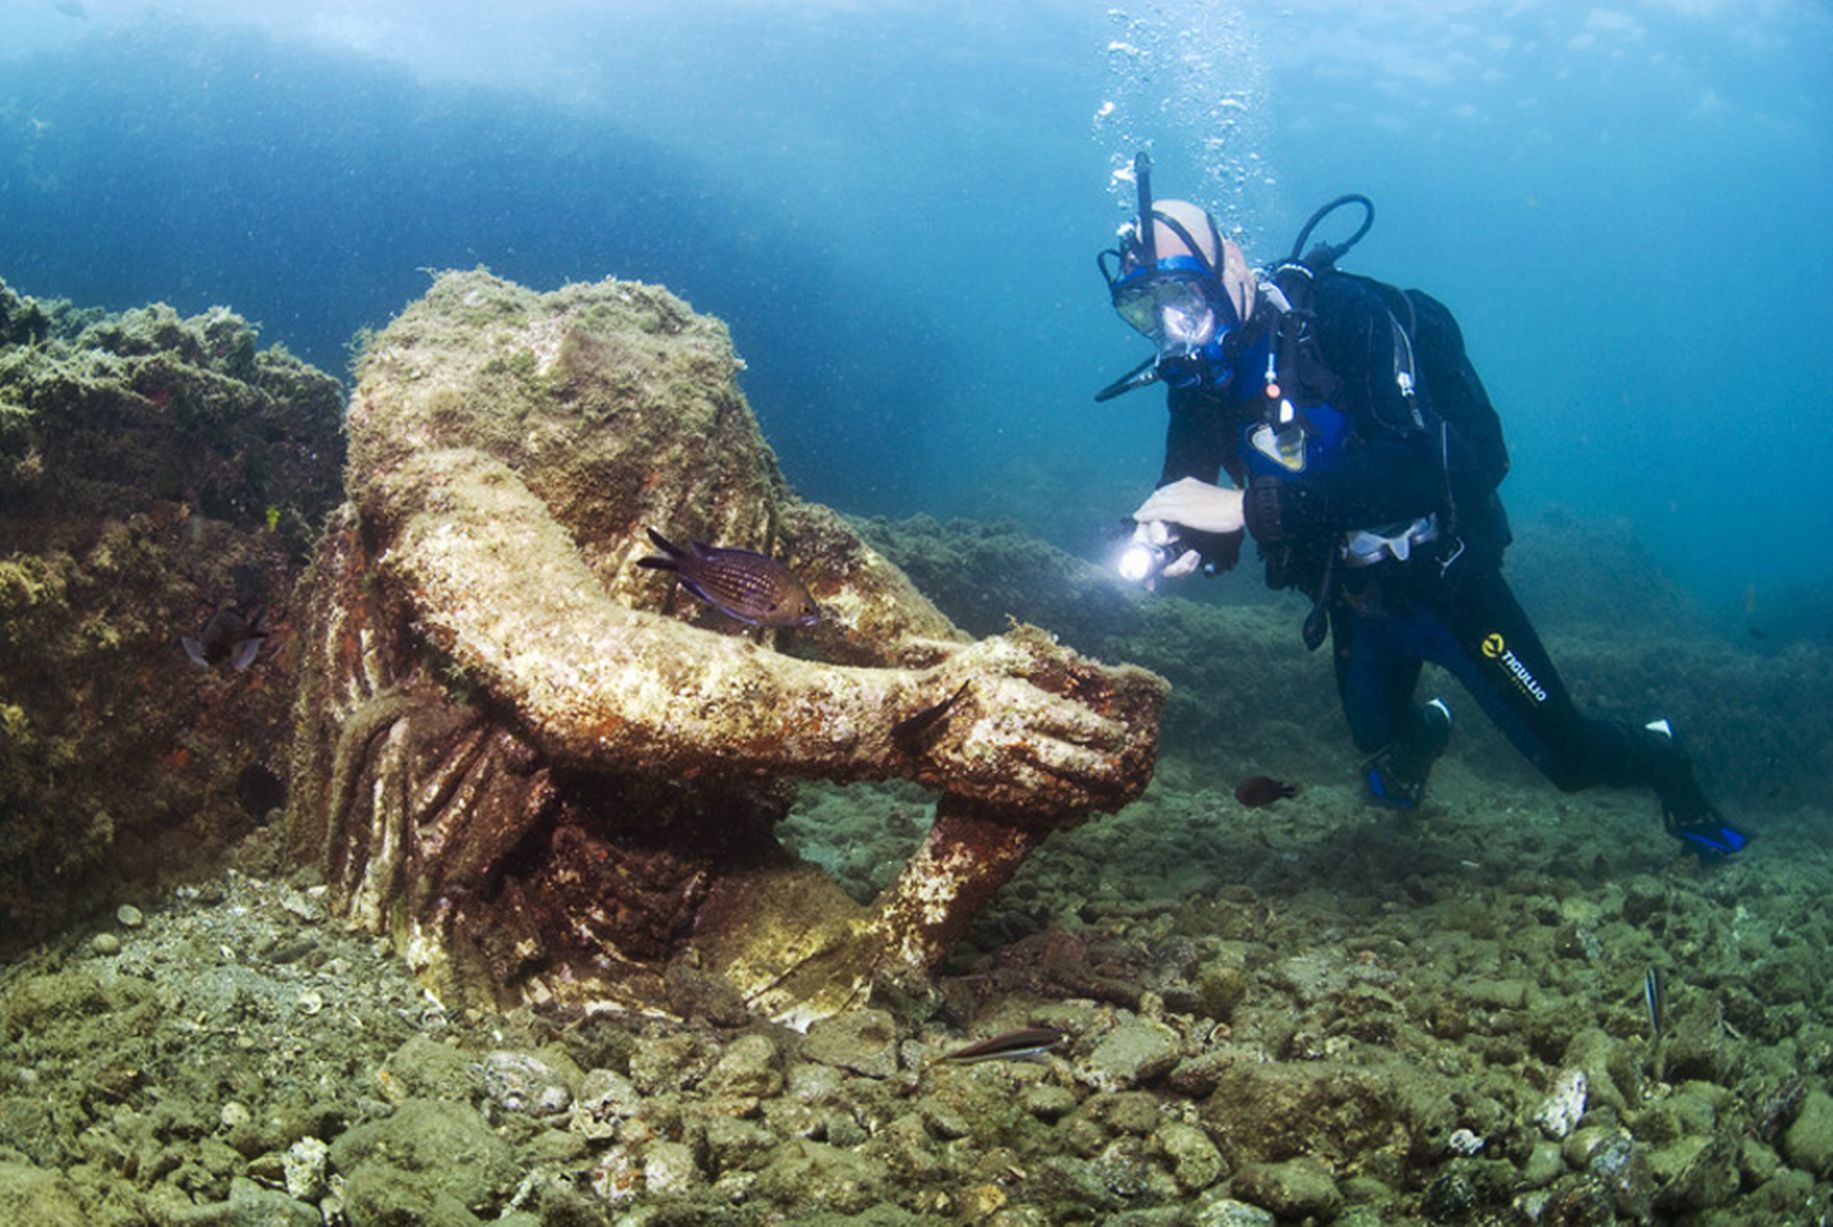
x=1173, y=304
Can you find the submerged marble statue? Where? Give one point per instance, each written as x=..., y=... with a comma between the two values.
x=550, y=775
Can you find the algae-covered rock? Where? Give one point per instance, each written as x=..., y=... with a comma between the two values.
x=1136, y=1051
x=1219, y=1210
x=1297, y=1188
x=813, y=1176
x=424, y=1068
x=152, y=468
x=249, y=1204
x=1194, y=1159
x=31, y=1194
x=551, y=773
x=864, y=1041
x=1808, y=1142
x=429, y=1155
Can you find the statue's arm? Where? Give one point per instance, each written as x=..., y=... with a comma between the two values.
x=500, y=588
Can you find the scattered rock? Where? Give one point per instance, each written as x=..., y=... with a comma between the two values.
x=1195, y=1161
x=303, y=1169
x=1070, y=1184
x=695, y=994
x=1620, y=1167
x=804, y=1173
x=1560, y=1111
x=1808, y=1142
x=425, y=1068
x=105, y=944
x=379, y=1192
x=1199, y=1075
x=1297, y=1188
x=1708, y=1178
x=1219, y=986
x=737, y=1145
x=250, y=1205
x=129, y=916
x=434, y=1152
x=1697, y=1048
x=746, y=1068
x=1219, y=1210
x=1048, y=1102
x=864, y=1041
x=31, y=1194
x=669, y=1169
x=669, y=1063
x=1544, y=1165
x=522, y=1082
x=1135, y=1052
x=809, y=1082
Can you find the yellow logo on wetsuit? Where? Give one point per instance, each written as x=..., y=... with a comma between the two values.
x=1496, y=648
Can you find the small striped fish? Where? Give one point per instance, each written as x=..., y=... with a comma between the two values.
x=745, y=584
x=1011, y=1046
x=1655, y=997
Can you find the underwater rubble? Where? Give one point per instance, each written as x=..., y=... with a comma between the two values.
x=1357, y=1025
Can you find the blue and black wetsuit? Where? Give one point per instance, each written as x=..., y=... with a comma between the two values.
x=1364, y=496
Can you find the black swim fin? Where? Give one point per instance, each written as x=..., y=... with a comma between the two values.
x=1685, y=810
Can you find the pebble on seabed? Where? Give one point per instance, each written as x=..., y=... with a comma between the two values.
x=129, y=916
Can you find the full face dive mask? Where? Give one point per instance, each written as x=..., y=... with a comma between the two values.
x=1177, y=302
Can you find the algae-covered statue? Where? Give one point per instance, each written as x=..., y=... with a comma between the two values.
x=549, y=773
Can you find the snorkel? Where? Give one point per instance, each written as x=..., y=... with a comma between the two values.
x=1143, y=230
x=1146, y=244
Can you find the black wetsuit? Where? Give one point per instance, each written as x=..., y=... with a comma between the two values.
x=1375, y=457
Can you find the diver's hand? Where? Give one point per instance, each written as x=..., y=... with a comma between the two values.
x=1194, y=504
x=1179, y=567
x=996, y=723
x=1157, y=538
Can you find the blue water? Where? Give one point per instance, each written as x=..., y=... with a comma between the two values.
x=896, y=207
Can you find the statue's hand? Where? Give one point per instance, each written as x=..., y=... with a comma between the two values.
x=1018, y=720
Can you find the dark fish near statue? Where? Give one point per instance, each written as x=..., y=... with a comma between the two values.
x=744, y=584
x=1260, y=790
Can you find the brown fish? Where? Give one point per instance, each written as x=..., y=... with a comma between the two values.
x=908, y=734
x=233, y=635
x=744, y=584
x=1260, y=790
x=1010, y=1046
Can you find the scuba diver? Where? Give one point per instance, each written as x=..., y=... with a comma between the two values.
x=1364, y=456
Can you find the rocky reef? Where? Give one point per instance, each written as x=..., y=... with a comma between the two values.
x=549, y=774
x=152, y=468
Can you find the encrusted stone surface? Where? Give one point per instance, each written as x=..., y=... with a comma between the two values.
x=152, y=468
